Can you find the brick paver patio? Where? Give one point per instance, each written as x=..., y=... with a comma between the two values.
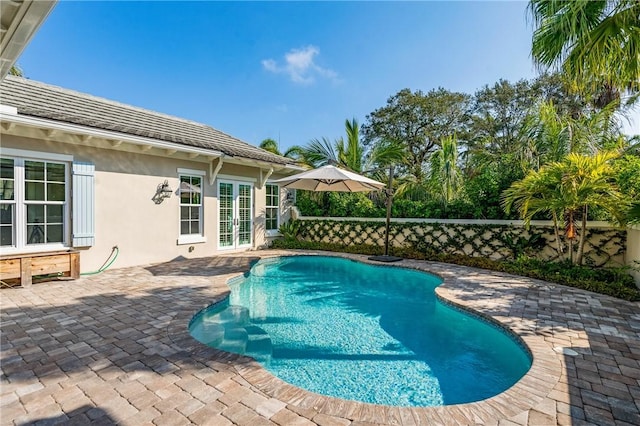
x=114, y=348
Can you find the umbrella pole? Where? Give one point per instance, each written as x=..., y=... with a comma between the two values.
x=389, y=201
x=385, y=257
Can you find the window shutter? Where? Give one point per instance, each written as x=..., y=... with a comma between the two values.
x=82, y=206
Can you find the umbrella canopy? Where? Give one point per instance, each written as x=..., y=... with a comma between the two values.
x=330, y=178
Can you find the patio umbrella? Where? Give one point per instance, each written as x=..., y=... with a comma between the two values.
x=331, y=178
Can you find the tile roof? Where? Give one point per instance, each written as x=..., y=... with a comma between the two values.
x=42, y=100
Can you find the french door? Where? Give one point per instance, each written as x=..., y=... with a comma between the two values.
x=235, y=214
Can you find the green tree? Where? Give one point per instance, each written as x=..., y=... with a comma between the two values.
x=350, y=154
x=498, y=147
x=569, y=187
x=628, y=179
x=319, y=152
x=498, y=115
x=596, y=43
x=417, y=121
x=445, y=174
x=16, y=70
x=549, y=135
x=270, y=145
x=534, y=194
x=501, y=115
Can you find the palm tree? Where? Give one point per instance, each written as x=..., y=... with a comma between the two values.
x=319, y=152
x=350, y=154
x=270, y=145
x=445, y=173
x=633, y=214
x=550, y=135
x=596, y=43
x=532, y=195
x=570, y=187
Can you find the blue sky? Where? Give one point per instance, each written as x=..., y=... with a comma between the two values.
x=291, y=71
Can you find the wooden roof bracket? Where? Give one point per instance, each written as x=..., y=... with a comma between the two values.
x=263, y=178
x=213, y=173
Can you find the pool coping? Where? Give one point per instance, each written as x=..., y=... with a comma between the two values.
x=531, y=390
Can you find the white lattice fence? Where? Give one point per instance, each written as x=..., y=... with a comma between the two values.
x=495, y=240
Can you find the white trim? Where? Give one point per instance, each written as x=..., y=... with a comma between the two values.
x=235, y=183
x=22, y=25
x=79, y=130
x=33, y=248
x=104, y=134
x=213, y=173
x=237, y=178
x=37, y=155
x=191, y=239
x=590, y=224
x=272, y=233
x=20, y=242
x=191, y=172
x=277, y=207
x=263, y=179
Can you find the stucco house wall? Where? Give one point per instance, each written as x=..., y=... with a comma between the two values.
x=129, y=165
x=126, y=215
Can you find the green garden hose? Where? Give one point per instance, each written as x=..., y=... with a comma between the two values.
x=112, y=258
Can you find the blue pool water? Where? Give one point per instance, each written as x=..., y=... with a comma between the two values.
x=367, y=333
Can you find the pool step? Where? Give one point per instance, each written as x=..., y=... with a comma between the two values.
x=235, y=339
x=233, y=314
x=213, y=332
x=259, y=344
x=231, y=331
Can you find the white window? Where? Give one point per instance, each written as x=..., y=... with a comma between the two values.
x=191, y=209
x=272, y=210
x=34, y=203
x=7, y=203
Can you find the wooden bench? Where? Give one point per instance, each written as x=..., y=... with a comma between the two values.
x=26, y=266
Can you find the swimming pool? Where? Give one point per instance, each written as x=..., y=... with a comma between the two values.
x=368, y=333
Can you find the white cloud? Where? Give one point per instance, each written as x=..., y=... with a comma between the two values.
x=299, y=65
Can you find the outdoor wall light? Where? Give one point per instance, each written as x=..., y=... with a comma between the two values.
x=163, y=191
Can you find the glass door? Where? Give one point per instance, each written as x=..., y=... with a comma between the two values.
x=244, y=214
x=235, y=214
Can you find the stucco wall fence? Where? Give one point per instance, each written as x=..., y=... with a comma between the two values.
x=605, y=245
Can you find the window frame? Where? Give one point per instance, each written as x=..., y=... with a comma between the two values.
x=277, y=207
x=20, y=203
x=12, y=203
x=191, y=238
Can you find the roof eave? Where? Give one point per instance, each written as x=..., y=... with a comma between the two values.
x=25, y=19
x=79, y=134
x=85, y=133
